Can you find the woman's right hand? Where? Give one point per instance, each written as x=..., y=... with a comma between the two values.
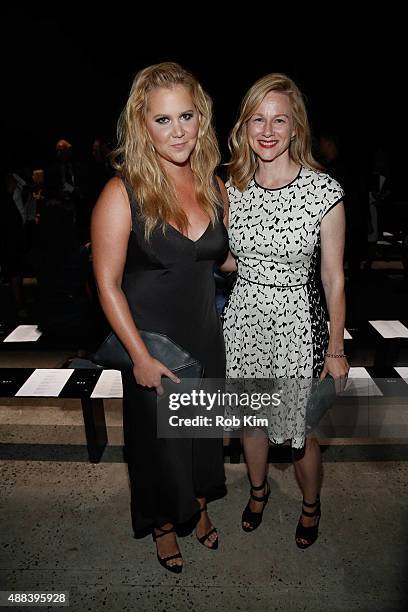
x=148, y=373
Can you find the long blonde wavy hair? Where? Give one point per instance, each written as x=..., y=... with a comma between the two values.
x=136, y=159
x=244, y=162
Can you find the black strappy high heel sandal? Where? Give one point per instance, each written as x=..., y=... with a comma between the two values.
x=176, y=569
x=255, y=518
x=202, y=539
x=308, y=533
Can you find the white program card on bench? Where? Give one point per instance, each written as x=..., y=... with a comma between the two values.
x=403, y=372
x=109, y=385
x=346, y=335
x=360, y=384
x=390, y=329
x=24, y=333
x=45, y=383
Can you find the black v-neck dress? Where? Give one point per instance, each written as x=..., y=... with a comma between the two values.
x=169, y=285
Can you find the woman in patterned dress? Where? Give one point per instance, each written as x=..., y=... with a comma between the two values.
x=284, y=212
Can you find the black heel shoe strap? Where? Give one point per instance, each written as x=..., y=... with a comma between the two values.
x=164, y=532
x=165, y=559
x=261, y=498
x=310, y=514
x=264, y=497
x=305, y=503
x=262, y=486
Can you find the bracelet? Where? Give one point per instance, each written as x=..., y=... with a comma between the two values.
x=336, y=355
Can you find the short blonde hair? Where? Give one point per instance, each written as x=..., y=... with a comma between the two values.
x=244, y=161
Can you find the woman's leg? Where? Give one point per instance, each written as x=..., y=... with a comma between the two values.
x=256, y=446
x=308, y=471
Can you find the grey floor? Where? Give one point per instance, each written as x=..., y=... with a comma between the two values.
x=65, y=526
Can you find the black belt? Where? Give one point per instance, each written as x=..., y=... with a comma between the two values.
x=269, y=285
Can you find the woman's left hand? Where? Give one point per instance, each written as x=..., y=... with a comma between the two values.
x=338, y=368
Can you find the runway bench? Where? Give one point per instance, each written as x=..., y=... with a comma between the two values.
x=79, y=386
x=82, y=382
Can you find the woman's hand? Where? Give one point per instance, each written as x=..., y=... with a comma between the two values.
x=148, y=373
x=338, y=368
x=230, y=264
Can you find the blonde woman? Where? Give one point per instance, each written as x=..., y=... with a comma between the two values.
x=157, y=230
x=283, y=211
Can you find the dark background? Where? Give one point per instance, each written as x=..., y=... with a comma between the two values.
x=67, y=73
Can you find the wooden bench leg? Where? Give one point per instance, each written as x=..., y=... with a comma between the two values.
x=95, y=428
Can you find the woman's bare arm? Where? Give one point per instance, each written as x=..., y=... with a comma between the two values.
x=332, y=233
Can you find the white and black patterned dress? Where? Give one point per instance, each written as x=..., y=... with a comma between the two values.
x=274, y=322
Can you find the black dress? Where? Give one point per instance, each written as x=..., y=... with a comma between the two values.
x=169, y=285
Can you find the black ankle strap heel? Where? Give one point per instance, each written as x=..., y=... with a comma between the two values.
x=309, y=534
x=176, y=569
x=254, y=519
x=202, y=539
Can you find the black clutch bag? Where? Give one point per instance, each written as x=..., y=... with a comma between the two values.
x=112, y=354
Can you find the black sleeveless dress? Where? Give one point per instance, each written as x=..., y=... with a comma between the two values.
x=169, y=285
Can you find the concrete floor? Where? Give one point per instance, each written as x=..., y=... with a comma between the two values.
x=65, y=525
